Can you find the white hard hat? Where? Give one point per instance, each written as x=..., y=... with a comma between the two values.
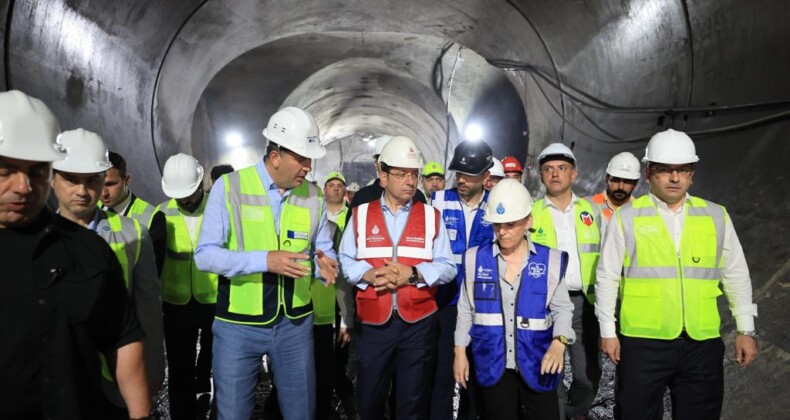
x=28, y=129
x=671, y=147
x=497, y=169
x=400, y=152
x=353, y=187
x=85, y=153
x=556, y=149
x=182, y=176
x=380, y=143
x=295, y=130
x=624, y=165
x=508, y=201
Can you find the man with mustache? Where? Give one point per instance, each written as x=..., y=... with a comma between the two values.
x=622, y=175
x=261, y=227
x=563, y=221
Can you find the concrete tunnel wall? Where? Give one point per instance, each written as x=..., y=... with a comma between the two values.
x=135, y=72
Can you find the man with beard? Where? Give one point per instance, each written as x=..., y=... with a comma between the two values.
x=622, y=175
x=564, y=221
x=462, y=213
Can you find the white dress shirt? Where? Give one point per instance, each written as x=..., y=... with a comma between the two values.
x=565, y=229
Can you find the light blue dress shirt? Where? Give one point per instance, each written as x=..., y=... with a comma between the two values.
x=439, y=271
x=211, y=254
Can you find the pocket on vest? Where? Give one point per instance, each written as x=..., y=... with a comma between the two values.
x=641, y=304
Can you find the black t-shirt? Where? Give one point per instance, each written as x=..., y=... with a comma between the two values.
x=372, y=193
x=63, y=300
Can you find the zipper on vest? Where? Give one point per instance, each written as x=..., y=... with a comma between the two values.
x=682, y=293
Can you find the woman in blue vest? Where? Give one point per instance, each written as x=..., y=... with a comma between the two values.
x=514, y=313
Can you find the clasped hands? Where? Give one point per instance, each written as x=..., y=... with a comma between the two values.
x=291, y=264
x=389, y=277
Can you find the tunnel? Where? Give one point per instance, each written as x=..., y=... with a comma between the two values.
x=155, y=78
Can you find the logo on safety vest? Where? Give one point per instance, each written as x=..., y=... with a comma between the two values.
x=586, y=218
x=500, y=209
x=484, y=273
x=536, y=269
x=375, y=229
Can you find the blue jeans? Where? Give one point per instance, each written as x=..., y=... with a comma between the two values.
x=238, y=350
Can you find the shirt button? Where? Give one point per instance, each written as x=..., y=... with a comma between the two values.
x=511, y=304
x=42, y=301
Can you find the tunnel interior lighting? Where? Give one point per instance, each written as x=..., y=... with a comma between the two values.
x=473, y=132
x=234, y=139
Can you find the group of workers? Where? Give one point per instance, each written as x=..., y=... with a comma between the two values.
x=479, y=285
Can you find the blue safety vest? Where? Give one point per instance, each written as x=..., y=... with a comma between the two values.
x=534, y=324
x=449, y=203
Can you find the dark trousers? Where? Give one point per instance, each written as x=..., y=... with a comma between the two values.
x=511, y=398
x=397, y=346
x=186, y=378
x=585, y=357
x=443, y=381
x=693, y=371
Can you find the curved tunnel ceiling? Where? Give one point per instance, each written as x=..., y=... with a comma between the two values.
x=155, y=78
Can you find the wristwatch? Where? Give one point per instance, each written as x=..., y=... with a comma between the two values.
x=751, y=333
x=562, y=338
x=414, y=278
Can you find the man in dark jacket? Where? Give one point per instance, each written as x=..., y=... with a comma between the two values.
x=64, y=311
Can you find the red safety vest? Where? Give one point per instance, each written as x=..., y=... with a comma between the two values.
x=374, y=245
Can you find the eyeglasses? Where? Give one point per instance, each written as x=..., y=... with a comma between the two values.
x=550, y=169
x=684, y=170
x=401, y=176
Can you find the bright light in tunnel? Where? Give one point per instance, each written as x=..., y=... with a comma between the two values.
x=234, y=139
x=473, y=132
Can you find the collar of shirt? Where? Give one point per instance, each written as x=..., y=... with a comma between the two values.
x=496, y=252
x=271, y=187
x=94, y=223
x=406, y=207
x=547, y=202
x=660, y=204
x=123, y=205
x=472, y=208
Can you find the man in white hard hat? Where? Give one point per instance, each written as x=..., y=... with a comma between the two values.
x=671, y=254
x=351, y=191
x=61, y=313
x=462, y=210
x=495, y=174
x=563, y=221
x=622, y=175
x=116, y=196
x=373, y=191
x=262, y=225
x=77, y=183
x=396, y=284
x=515, y=312
x=189, y=296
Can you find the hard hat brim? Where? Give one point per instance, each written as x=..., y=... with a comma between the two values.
x=48, y=156
x=178, y=193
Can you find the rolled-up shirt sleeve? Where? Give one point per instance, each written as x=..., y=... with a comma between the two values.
x=323, y=240
x=211, y=255
x=608, y=275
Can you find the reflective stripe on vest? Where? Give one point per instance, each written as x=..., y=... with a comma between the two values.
x=664, y=292
x=375, y=245
x=142, y=212
x=256, y=299
x=123, y=234
x=181, y=279
x=324, y=296
x=448, y=202
x=588, y=237
x=534, y=324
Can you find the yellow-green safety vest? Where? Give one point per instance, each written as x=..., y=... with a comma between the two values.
x=324, y=297
x=663, y=291
x=124, y=236
x=181, y=279
x=256, y=299
x=141, y=211
x=588, y=237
